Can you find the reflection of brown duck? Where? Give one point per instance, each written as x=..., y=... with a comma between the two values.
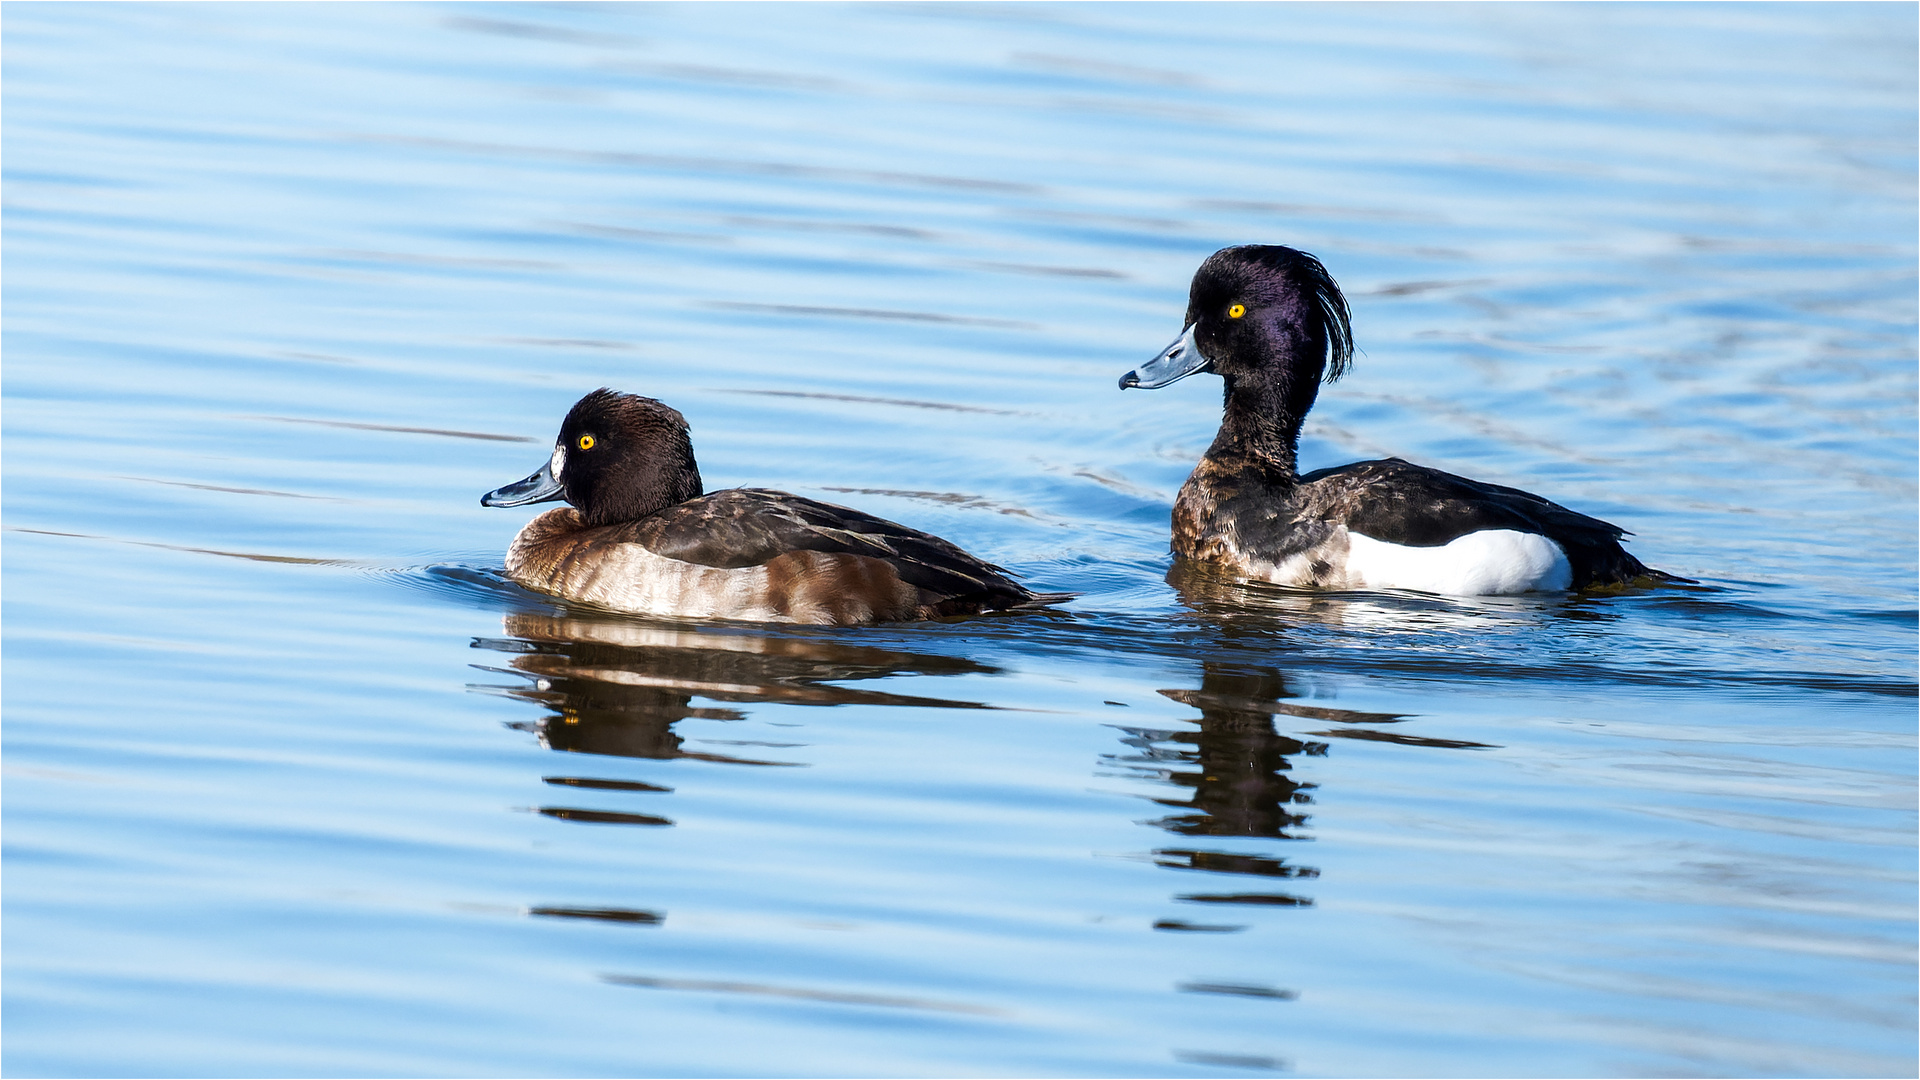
x=617, y=686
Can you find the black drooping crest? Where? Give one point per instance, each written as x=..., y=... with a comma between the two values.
x=1306, y=272
x=1336, y=320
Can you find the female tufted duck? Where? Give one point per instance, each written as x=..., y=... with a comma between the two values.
x=640, y=537
x=1271, y=323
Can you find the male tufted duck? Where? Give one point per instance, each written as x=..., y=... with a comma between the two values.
x=1271, y=323
x=641, y=537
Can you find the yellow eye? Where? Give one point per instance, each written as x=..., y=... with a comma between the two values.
x=1236, y=311
x=586, y=442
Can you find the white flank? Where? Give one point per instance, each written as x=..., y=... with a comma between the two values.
x=1493, y=562
x=631, y=578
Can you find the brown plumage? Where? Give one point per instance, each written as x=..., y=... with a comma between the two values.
x=641, y=537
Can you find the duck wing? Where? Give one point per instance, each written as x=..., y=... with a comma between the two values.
x=742, y=527
x=1403, y=503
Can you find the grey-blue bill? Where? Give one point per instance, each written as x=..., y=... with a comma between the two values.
x=1175, y=362
x=543, y=486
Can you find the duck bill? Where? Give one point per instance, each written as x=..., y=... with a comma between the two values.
x=1175, y=362
x=542, y=486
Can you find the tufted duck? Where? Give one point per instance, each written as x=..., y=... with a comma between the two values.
x=641, y=537
x=1272, y=324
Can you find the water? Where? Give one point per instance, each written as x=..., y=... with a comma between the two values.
x=296, y=785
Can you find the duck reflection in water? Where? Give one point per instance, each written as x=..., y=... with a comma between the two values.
x=1236, y=769
x=617, y=686
x=1226, y=597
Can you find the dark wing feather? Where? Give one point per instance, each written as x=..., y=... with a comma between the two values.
x=749, y=526
x=1404, y=503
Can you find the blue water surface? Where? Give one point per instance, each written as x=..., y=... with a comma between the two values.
x=296, y=784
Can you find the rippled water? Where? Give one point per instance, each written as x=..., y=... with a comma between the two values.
x=295, y=784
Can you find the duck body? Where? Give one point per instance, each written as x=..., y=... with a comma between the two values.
x=1393, y=525
x=759, y=556
x=1272, y=323
x=640, y=537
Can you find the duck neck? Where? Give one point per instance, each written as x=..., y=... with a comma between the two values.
x=644, y=492
x=670, y=488
x=1261, y=428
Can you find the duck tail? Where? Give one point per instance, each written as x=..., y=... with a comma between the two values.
x=1042, y=599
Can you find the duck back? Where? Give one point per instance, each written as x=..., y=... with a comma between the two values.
x=1389, y=523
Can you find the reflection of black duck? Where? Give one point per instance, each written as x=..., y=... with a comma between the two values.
x=1240, y=786
x=1215, y=591
x=617, y=687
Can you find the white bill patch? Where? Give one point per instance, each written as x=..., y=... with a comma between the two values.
x=558, y=461
x=1492, y=562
